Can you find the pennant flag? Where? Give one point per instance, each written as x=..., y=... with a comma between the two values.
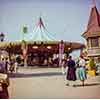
x=40, y=23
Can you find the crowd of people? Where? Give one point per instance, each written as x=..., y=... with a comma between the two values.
x=6, y=66
x=73, y=70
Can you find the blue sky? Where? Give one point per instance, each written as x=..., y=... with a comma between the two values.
x=65, y=19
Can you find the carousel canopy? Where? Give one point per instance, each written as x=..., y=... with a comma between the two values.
x=41, y=38
x=40, y=33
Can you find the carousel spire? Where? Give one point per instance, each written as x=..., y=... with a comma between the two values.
x=41, y=33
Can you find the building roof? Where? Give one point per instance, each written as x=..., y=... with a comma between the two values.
x=93, y=27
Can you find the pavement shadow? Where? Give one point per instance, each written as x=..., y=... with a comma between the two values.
x=22, y=75
x=91, y=84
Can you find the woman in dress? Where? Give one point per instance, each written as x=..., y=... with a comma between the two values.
x=71, y=75
x=82, y=70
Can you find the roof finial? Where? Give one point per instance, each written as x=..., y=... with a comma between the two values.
x=40, y=14
x=94, y=3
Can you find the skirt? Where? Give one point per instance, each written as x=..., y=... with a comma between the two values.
x=71, y=75
x=82, y=73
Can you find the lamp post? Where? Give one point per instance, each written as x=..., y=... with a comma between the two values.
x=24, y=46
x=2, y=36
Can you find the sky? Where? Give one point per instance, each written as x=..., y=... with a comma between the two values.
x=65, y=19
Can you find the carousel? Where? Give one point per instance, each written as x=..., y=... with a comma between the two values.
x=39, y=48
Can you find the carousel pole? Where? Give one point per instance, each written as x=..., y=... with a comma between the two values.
x=25, y=61
x=61, y=64
x=24, y=47
x=24, y=51
x=61, y=51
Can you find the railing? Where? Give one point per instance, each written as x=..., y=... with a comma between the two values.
x=94, y=52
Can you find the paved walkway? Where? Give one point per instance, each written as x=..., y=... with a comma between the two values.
x=48, y=83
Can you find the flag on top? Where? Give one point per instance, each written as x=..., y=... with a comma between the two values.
x=40, y=23
x=94, y=3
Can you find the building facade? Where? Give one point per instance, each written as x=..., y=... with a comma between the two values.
x=92, y=34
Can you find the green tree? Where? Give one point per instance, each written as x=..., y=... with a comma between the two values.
x=92, y=64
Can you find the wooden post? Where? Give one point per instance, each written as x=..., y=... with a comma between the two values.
x=25, y=62
x=25, y=56
x=24, y=51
